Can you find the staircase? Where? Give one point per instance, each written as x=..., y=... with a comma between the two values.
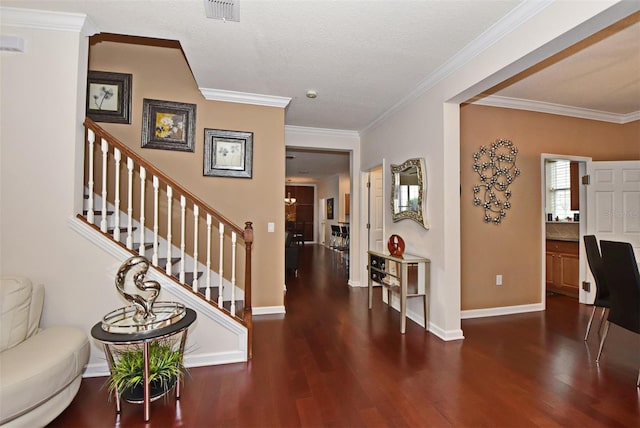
x=209, y=258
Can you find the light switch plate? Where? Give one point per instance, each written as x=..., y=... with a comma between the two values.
x=271, y=227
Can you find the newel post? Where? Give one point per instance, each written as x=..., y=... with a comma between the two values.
x=248, y=240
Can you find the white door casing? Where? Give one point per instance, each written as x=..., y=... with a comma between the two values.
x=376, y=210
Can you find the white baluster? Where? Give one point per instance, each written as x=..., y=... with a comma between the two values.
x=156, y=186
x=143, y=178
x=116, y=230
x=169, y=205
x=233, y=273
x=130, y=203
x=105, y=149
x=91, y=136
x=220, y=267
x=183, y=205
x=196, y=212
x=207, y=293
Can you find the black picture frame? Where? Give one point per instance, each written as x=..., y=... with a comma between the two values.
x=109, y=97
x=228, y=153
x=330, y=209
x=168, y=125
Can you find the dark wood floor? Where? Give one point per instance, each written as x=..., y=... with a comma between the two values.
x=332, y=363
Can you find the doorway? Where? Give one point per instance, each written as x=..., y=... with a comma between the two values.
x=563, y=225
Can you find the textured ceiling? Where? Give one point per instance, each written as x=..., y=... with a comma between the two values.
x=600, y=73
x=362, y=57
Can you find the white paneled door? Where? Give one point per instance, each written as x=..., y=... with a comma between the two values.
x=613, y=202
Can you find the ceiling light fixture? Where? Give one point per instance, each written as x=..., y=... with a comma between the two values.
x=312, y=94
x=289, y=200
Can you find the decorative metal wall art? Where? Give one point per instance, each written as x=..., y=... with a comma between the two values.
x=496, y=168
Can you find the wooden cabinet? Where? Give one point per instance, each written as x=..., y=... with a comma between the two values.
x=347, y=204
x=303, y=211
x=574, y=182
x=562, y=267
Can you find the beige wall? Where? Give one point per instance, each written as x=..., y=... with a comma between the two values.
x=512, y=249
x=161, y=72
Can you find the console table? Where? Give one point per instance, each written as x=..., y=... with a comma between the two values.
x=109, y=339
x=407, y=275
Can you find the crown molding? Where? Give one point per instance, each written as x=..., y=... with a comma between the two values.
x=48, y=20
x=322, y=132
x=551, y=108
x=244, y=98
x=518, y=16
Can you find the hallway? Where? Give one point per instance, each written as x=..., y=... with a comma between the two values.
x=331, y=362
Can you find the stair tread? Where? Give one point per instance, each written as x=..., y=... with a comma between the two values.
x=162, y=261
x=188, y=276
x=96, y=212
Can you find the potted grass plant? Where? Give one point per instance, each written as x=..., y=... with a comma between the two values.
x=165, y=369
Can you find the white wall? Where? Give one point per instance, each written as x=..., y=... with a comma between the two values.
x=426, y=124
x=41, y=140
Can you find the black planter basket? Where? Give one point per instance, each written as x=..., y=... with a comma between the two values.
x=136, y=395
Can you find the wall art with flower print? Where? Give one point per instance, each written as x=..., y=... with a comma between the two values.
x=109, y=97
x=228, y=153
x=168, y=125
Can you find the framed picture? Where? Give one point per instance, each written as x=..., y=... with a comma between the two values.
x=168, y=125
x=228, y=153
x=109, y=97
x=330, y=209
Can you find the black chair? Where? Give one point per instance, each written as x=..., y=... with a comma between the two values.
x=344, y=233
x=623, y=279
x=298, y=233
x=602, y=291
x=291, y=254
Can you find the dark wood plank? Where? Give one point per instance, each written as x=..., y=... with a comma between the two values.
x=332, y=362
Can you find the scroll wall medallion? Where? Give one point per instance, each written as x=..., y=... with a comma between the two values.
x=496, y=168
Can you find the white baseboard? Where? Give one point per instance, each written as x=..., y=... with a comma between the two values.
x=268, y=310
x=357, y=284
x=418, y=318
x=499, y=311
x=446, y=335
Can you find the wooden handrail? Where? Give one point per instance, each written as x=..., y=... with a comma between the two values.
x=155, y=171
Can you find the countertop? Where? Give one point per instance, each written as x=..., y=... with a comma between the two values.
x=563, y=239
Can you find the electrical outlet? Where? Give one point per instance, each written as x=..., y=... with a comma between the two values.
x=586, y=286
x=498, y=279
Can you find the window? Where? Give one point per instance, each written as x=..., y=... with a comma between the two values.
x=558, y=189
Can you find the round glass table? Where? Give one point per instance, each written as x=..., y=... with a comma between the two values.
x=112, y=334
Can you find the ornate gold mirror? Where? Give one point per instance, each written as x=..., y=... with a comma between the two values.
x=408, y=191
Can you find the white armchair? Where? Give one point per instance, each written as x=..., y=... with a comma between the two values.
x=40, y=369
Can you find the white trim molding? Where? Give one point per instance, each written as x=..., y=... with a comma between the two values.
x=48, y=20
x=321, y=132
x=268, y=310
x=499, y=311
x=551, y=108
x=244, y=98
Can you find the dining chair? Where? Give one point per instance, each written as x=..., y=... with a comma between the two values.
x=601, y=300
x=623, y=279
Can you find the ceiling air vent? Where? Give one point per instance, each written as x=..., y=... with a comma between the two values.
x=227, y=10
